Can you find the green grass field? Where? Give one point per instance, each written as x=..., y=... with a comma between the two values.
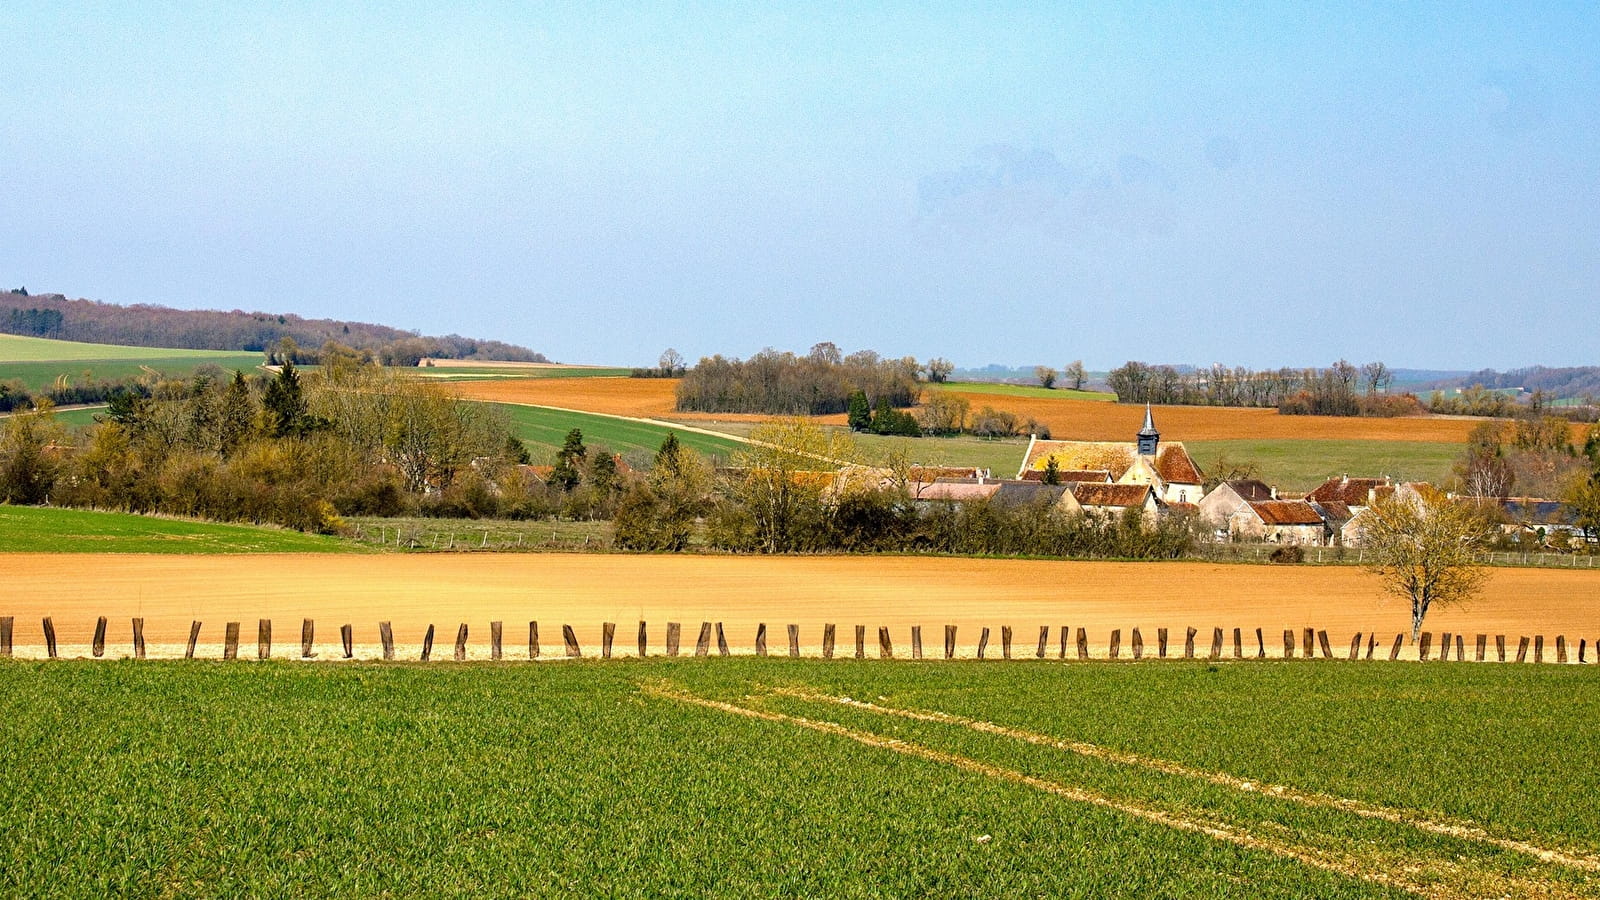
x=32, y=529
x=543, y=431
x=17, y=348
x=1302, y=465
x=480, y=373
x=746, y=777
x=1022, y=390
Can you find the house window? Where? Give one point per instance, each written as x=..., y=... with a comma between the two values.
x=1183, y=496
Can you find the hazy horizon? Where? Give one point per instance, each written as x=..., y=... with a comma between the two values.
x=1011, y=184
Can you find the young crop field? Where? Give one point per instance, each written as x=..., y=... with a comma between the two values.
x=18, y=348
x=1024, y=390
x=759, y=777
x=544, y=430
x=32, y=529
x=1302, y=465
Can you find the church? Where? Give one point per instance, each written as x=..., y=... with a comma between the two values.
x=1167, y=468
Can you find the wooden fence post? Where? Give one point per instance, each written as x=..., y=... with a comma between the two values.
x=533, y=640
x=861, y=642
x=1394, y=652
x=194, y=637
x=950, y=642
x=1238, y=643
x=264, y=639
x=1355, y=646
x=1483, y=644
x=230, y=641
x=1261, y=645
x=1500, y=646
x=761, y=639
x=347, y=637
x=1044, y=638
x=427, y=644
x=1522, y=650
x=916, y=642
x=570, y=638
x=1538, y=648
x=49, y=636
x=461, y=642
x=608, y=636
x=828, y=634
x=1444, y=647
x=674, y=637
x=702, y=644
x=1423, y=645
x=1216, y=643
x=1083, y=643
x=1461, y=652
x=1288, y=644
x=308, y=636
x=99, y=645
x=983, y=641
x=1583, y=644
x=794, y=641
x=496, y=633
x=138, y=638
x=1308, y=648
x=1561, y=648
x=644, y=640
x=722, y=641
x=885, y=647
x=1005, y=641
x=1372, y=643
x=1188, y=643
x=1161, y=643
x=1322, y=641
x=6, y=624
x=1064, y=630
x=1116, y=643
x=1138, y=644
x=386, y=637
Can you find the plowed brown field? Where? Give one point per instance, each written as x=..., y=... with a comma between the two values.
x=586, y=590
x=1068, y=419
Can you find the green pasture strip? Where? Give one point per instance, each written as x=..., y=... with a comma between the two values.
x=243, y=778
x=544, y=430
x=18, y=348
x=1003, y=457
x=73, y=416
x=33, y=529
x=41, y=376
x=1022, y=390
x=1302, y=465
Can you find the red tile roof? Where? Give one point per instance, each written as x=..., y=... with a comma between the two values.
x=1174, y=465
x=1286, y=512
x=1067, y=476
x=1090, y=493
x=1353, y=491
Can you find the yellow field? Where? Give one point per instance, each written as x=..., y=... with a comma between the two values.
x=586, y=590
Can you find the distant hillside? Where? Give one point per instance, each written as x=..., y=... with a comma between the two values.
x=146, y=325
x=1565, y=382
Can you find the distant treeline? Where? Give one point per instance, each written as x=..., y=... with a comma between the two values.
x=143, y=325
x=1567, y=382
x=819, y=383
x=15, y=395
x=1342, y=389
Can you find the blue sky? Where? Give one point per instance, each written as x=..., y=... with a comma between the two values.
x=1274, y=184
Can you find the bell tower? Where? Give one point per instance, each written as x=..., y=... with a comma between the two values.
x=1149, y=437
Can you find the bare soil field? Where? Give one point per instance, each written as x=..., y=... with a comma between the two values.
x=1069, y=419
x=585, y=590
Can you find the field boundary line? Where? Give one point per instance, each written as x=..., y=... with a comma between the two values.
x=1330, y=861
x=1457, y=829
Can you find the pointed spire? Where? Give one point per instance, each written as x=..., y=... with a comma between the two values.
x=1149, y=422
x=1149, y=439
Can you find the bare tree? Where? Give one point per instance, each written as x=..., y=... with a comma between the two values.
x=670, y=363
x=1046, y=376
x=939, y=369
x=1423, y=546
x=1075, y=375
x=1378, y=377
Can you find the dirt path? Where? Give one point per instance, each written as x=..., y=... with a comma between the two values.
x=585, y=590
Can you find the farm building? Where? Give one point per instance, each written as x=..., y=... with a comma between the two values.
x=1107, y=500
x=1279, y=522
x=1168, y=470
x=1356, y=493
x=1230, y=497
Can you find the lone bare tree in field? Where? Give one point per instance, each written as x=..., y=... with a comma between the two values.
x=1423, y=547
x=1046, y=376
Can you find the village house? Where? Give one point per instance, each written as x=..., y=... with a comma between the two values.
x=1287, y=522
x=1111, y=500
x=1231, y=497
x=1168, y=469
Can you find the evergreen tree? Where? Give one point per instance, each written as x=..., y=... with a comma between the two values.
x=1052, y=471
x=860, y=417
x=569, y=461
x=883, y=417
x=238, y=420
x=285, y=404
x=667, y=454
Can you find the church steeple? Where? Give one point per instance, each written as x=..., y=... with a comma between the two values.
x=1149, y=437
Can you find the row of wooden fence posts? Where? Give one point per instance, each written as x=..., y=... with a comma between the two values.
x=1309, y=642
